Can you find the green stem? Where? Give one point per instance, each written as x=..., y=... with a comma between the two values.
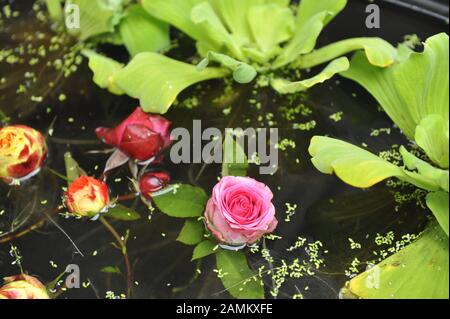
x=124, y=252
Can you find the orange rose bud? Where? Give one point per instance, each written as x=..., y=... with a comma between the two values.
x=22, y=152
x=87, y=197
x=23, y=287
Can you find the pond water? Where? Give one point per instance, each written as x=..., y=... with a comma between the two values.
x=327, y=210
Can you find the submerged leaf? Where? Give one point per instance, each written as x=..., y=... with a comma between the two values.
x=420, y=270
x=121, y=212
x=157, y=80
x=336, y=66
x=141, y=32
x=237, y=277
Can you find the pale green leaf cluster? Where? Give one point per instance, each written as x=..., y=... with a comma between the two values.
x=244, y=37
x=414, y=92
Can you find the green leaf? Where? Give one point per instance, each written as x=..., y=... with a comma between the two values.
x=121, y=212
x=378, y=52
x=104, y=70
x=312, y=17
x=234, y=15
x=303, y=41
x=283, y=86
x=96, y=17
x=203, y=249
x=73, y=170
x=432, y=136
x=143, y=33
x=437, y=202
x=55, y=10
x=235, y=162
x=182, y=201
x=309, y=8
x=242, y=72
x=111, y=270
x=430, y=177
x=354, y=165
x=418, y=271
x=178, y=14
x=192, y=232
x=271, y=25
x=157, y=80
x=237, y=277
x=411, y=89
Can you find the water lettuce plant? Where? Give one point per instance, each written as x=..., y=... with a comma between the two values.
x=414, y=92
x=242, y=38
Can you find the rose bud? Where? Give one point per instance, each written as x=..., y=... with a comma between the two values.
x=22, y=152
x=141, y=136
x=240, y=211
x=152, y=182
x=86, y=197
x=23, y=287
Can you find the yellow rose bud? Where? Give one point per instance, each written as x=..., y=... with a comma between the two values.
x=87, y=196
x=23, y=287
x=22, y=152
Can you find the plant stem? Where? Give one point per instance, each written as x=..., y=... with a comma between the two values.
x=124, y=252
x=12, y=236
x=127, y=197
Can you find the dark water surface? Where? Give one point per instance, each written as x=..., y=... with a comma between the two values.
x=328, y=210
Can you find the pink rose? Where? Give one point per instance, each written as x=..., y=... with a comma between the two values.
x=141, y=136
x=240, y=211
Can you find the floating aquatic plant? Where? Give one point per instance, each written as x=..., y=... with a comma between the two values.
x=242, y=38
x=414, y=93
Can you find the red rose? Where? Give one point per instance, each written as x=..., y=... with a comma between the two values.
x=22, y=152
x=141, y=136
x=152, y=182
